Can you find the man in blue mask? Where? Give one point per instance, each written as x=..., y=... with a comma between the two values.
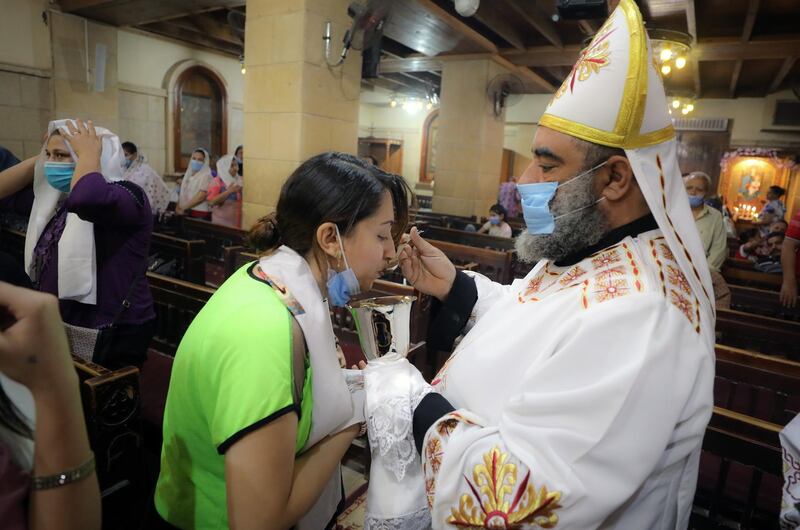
x=591, y=379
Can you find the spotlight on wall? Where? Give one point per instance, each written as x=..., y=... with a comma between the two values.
x=241, y=62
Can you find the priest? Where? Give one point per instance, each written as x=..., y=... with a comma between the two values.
x=579, y=395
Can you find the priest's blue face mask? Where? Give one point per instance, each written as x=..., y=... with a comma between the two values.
x=59, y=174
x=536, y=198
x=342, y=285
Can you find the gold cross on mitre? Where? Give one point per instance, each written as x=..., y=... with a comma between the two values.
x=614, y=96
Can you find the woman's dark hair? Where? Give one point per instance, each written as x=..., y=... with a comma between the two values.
x=11, y=418
x=130, y=147
x=330, y=187
x=237, y=149
x=777, y=190
x=499, y=209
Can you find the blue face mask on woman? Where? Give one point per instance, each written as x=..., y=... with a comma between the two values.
x=59, y=174
x=196, y=165
x=495, y=220
x=342, y=285
x=696, y=201
x=536, y=199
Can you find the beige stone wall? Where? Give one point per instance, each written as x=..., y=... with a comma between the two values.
x=296, y=106
x=142, y=120
x=395, y=123
x=25, y=109
x=24, y=35
x=75, y=62
x=470, y=149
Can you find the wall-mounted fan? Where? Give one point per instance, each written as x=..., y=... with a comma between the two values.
x=504, y=91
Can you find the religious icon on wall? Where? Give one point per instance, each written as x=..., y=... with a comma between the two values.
x=751, y=184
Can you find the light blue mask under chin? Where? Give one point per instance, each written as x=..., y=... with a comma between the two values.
x=342, y=286
x=536, y=198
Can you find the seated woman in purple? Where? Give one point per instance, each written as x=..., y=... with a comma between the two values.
x=88, y=237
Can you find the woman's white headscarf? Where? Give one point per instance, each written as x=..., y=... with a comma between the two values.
x=224, y=170
x=77, y=262
x=193, y=182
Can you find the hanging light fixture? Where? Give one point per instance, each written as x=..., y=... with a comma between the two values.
x=681, y=104
x=670, y=49
x=241, y=62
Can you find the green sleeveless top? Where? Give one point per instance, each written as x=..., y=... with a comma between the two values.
x=232, y=374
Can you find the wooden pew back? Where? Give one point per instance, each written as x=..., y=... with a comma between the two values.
x=751, y=278
x=760, y=386
x=472, y=239
x=759, y=333
x=494, y=264
x=740, y=474
x=761, y=302
x=188, y=253
x=111, y=407
x=216, y=236
x=176, y=302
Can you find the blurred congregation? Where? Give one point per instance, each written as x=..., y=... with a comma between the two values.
x=167, y=294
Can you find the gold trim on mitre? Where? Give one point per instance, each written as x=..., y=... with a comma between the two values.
x=626, y=133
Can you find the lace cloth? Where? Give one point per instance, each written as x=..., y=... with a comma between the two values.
x=396, y=495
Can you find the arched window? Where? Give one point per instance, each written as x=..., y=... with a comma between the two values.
x=430, y=133
x=200, y=114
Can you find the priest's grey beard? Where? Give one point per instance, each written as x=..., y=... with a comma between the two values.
x=573, y=232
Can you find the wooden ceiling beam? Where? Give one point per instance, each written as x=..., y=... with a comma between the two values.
x=173, y=16
x=167, y=29
x=544, y=56
x=213, y=28
x=786, y=67
x=415, y=64
x=525, y=73
x=735, y=49
x=530, y=14
x=68, y=6
x=489, y=17
x=458, y=26
x=737, y=71
x=750, y=20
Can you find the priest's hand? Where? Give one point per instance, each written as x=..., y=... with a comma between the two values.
x=426, y=267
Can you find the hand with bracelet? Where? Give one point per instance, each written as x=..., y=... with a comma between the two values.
x=64, y=493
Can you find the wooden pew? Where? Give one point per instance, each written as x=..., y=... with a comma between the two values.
x=472, y=239
x=189, y=254
x=495, y=264
x=740, y=474
x=762, y=386
x=759, y=333
x=761, y=302
x=176, y=302
x=751, y=278
x=111, y=407
x=216, y=236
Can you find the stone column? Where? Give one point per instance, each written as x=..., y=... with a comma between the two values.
x=295, y=106
x=470, y=142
